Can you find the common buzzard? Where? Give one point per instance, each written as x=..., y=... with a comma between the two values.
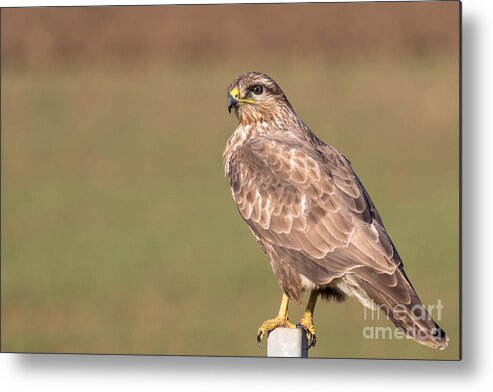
x=312, y=216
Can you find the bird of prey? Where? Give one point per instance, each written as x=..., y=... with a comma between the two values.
x=312, y=216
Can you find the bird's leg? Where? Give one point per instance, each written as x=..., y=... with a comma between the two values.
x=306, y=322
x=281, y=320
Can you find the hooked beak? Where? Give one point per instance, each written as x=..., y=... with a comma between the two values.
x=232, y=102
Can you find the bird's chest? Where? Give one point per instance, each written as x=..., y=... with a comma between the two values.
x=236, y=141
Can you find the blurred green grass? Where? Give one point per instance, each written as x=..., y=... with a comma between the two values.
x=119, y=234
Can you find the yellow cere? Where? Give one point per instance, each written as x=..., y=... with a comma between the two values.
x=235, y=93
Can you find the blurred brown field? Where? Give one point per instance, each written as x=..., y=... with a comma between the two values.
x=119, y=234
x=43, y=36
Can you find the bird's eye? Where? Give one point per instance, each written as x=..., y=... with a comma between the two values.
x=257, y=89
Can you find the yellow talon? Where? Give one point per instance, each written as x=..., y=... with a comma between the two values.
x=281, y=320
x=306, y=323
x=269, y=325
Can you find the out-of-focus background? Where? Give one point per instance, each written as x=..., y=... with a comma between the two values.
x=119, y=234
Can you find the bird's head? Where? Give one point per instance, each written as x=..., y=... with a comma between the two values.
x=255, y=97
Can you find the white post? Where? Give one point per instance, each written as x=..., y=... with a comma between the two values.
x=287, y=342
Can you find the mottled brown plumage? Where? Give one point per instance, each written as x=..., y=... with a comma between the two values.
x=310, y=212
